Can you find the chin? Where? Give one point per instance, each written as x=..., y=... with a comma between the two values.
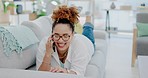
x=62, y=49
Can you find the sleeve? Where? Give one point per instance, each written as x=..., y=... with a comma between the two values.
x=81, y=56
x=40, y=52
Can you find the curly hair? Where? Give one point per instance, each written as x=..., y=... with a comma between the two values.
x=65, y=12
x=66, y=15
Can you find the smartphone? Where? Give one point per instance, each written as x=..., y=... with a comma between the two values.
x=53, y=46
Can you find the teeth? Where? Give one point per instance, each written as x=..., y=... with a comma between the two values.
x=61, y=45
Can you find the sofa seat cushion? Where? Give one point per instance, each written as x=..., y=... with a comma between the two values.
x=142, y=46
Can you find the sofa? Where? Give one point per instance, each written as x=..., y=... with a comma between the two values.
x=41, y=28
x=140, y=37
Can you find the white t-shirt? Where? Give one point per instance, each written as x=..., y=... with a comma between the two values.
x=80, y=52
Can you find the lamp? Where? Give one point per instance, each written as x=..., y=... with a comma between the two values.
x=80, y=8
x=55, y=2
x=113, y=6
x=51, y=5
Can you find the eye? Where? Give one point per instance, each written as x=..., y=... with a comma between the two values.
x=66, y=36
x=56, y=36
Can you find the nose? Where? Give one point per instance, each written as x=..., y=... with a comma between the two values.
x=60, y=40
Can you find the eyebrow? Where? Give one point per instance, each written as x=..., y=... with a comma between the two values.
x=62, y=34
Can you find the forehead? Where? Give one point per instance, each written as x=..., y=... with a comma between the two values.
x=62, y=29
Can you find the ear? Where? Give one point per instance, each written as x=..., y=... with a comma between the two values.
x=73, y=33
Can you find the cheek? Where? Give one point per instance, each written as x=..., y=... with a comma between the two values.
x=68, y=43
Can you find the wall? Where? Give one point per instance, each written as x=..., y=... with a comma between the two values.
x=123, y=20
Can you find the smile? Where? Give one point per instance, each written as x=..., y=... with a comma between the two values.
x=61, y=45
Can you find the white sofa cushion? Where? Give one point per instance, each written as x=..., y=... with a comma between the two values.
x=41, y=27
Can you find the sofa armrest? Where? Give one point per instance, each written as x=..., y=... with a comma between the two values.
x=33, y=74
x=134, y=45
x=135, y=31
x=100, y=34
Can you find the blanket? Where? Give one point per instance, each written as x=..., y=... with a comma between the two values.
x=16, y=38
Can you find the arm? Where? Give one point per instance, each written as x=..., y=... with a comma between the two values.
x=79, y=64
x=134, y=45
x=82, y=50
x=45, y=66
x=44, y=59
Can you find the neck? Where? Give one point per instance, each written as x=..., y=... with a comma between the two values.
x=61, y=53
x=63, y=56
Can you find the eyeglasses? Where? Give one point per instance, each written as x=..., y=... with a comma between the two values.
x=65, y=37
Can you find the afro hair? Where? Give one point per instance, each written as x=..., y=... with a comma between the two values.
x=65, y=12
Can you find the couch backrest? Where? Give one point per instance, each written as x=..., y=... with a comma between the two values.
x=142, y=17
x=41, y=27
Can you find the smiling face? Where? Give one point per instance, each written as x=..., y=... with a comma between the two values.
x=63, y=31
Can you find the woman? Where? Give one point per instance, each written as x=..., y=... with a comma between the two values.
x=64, y=51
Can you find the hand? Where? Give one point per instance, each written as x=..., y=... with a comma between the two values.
x=58, y=70
x=49, y=45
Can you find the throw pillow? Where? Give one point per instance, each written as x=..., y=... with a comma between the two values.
x=78, y=28
x=142, y=29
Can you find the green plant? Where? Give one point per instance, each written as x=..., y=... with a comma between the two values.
x=6, y=5
x=42, y=13
x=41, y=9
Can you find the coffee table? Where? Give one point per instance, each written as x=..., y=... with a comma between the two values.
x=143, y=66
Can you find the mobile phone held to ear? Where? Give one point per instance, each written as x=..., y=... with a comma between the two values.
x=53, y=46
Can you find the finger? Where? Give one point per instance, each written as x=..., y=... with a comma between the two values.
x=59, y=71
x=49, y=42
x=49, y=39
x=51, y=69
x=55, y=70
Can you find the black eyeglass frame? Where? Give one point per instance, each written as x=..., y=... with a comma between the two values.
x=61, y=37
